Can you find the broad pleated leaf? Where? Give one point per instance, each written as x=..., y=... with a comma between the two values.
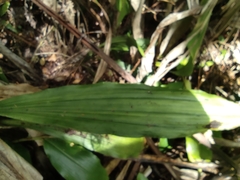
x=124, y=109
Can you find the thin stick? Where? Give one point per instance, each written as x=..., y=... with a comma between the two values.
x=207, y=167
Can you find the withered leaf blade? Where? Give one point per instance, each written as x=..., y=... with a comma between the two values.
x=13, y=166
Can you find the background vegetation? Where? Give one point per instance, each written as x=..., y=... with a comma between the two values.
x=178, y=46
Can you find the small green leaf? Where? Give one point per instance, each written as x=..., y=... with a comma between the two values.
x=10, y=27
x=2, y=76
x=197, y=152
x=209, y=63
x=163, y=144
x=124, y=66
x=142, y=45
x=197, y=36
x=74, y=162
x=201, y=64
x=223, y=52
x=6, y=24
x=123, y=43
x=4, y=8
x=185, y=70
x=21, y=150
x=157, y=64
x=123, y=8
x=183, y=63
x=140, y=176
x=221, y=38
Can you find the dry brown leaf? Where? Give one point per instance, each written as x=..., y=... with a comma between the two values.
x=7, y=91
x=13, y=166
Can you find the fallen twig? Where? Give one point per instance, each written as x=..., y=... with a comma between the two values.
x=207, y=167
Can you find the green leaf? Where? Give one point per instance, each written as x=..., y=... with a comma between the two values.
x=197, y=152
x=21, y=150
x=74, y=162
x=223, y=52
x=123, y=43
x=125, y=66
x=140, y=176
x=123, y=8
x=2, y=76
x=185, y=68
x=7, y=25
x=10, y=27
x=130, y=110
x=221, y=38
x=109, y=145
x=4, y=8
x=197, y=36
x=209, y=63
x=163, y=143
x=142, y=45
x=183, y=63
